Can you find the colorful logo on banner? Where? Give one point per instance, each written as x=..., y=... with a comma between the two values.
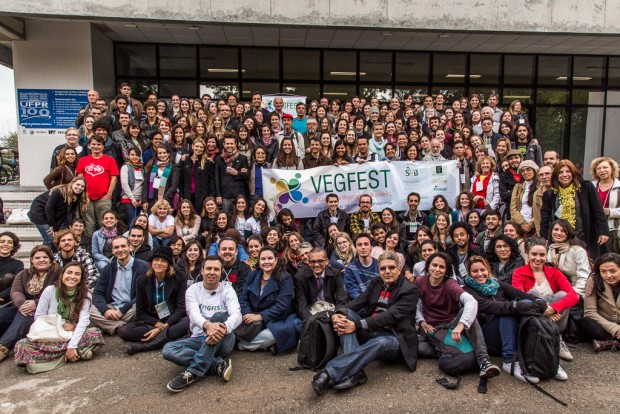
x=289, y=191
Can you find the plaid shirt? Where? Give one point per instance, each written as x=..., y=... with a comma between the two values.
x=82, y=256
x=356, y=222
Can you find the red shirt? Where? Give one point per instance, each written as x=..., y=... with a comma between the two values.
x=441, y=304
x=98, y=173
x=524, y=280
x=483, y=192
x=604, y=196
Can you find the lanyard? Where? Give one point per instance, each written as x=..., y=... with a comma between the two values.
x=163, y=291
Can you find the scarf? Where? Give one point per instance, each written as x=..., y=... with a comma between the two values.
x=489, y=288
x=109, y=235
x=163, y=179
x=137, y=166
x=566, y=198
x=267, y=140
x=229, y=158
x=557, y=249
x=212, y=153
x=64, y=308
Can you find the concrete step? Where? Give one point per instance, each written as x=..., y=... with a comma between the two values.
x=19, y=199
x=22, y=230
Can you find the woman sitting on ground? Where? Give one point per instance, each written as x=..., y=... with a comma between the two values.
x=26, y=290
x=69, y=298
x=160, y=306
x=549, y=284
x=499, y=307
x=161, y=223
x=602, y=301
x=268, y=300
x=443, y=303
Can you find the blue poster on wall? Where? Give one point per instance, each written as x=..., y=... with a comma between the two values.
x=50, y=108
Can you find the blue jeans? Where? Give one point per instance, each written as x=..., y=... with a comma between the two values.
x=355, y=357
x=158, y=241
x=13, y=326
x=196, y=355
x=500, y=335
x=131, y=212
x=48, y=239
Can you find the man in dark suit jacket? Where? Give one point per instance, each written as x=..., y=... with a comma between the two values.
x=332, y=214
x=383, y=318
x=309, y=279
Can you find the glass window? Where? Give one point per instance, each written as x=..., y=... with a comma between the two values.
x=588, y=71
x=522, y=94
x=612, y=126
x=177, y=61
x=260, y=63
x=614, y=72
x=301, y=64
x=553, y=70
x=552, y=96
x=340, y=92
x=412, y=67
x=613, y=97
x=219, y=90
x=382, y=93
x=140, y=89
x=312, y=91
x=418, y=93
x=219, y=63
x=552, y=129
x=449, y=67
x=376, y=66
x=339, y=65
x=588, y=97
x=519, y=69
x=484, y=69
x=450, y=93
x=135, y=60
x=585, y=135
x=265, y=88
x=184, y=88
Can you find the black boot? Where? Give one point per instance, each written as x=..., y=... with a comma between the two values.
x=157, y=343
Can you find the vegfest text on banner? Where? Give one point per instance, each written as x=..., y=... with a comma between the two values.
x=389, y=183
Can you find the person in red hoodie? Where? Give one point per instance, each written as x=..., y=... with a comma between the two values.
x=549, y=284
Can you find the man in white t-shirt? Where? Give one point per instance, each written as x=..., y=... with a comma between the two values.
x=214, y=313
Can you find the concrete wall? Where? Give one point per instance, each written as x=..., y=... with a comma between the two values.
x=560, y=16
x=103, y=63
x=57, y=55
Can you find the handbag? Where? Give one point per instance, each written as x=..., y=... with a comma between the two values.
x=247, y=332
x=48, y=328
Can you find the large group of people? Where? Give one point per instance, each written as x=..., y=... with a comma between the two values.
x=155, y=227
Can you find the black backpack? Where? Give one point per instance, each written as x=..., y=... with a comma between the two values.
x=318, y=344
x=538, y=347
x=538, y=350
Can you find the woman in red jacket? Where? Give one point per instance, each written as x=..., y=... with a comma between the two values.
x=549, y=284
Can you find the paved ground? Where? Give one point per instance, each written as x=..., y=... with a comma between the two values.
x=116, y=383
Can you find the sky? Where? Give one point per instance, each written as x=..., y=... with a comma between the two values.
x=8, y=112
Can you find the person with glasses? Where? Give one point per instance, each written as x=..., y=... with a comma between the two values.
x=379, y=324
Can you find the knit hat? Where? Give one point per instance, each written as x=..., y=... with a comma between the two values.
x=514, y=152
x=285, y=116
x=529, y=164
x=163, y=252
x=374, y=110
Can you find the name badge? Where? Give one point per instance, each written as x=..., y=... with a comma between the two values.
x=156, y=183
x=413, y=226
x=462, y=269
x=558, y=212
x=162, y=310
x=139, y=176
x=479, y=186
x=462, y=178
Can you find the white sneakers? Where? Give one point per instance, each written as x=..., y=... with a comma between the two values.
x=561, y=375
x=564, y=352
x=518, y=373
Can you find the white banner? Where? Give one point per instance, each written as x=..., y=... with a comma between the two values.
x=389, y=183
x=290, y=103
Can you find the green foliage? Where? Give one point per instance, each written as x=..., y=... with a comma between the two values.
x=9, y=140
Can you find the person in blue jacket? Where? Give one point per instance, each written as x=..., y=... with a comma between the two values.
x=267, y=300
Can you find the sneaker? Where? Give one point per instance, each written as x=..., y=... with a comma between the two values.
x=4, y=352
x=488, y=369
x=182, y=381
x=85, y=354
x=224, y=369
x=561, y=375
x=518, y=373
x=564, y=352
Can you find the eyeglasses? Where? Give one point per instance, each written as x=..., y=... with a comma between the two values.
x=316, y=262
